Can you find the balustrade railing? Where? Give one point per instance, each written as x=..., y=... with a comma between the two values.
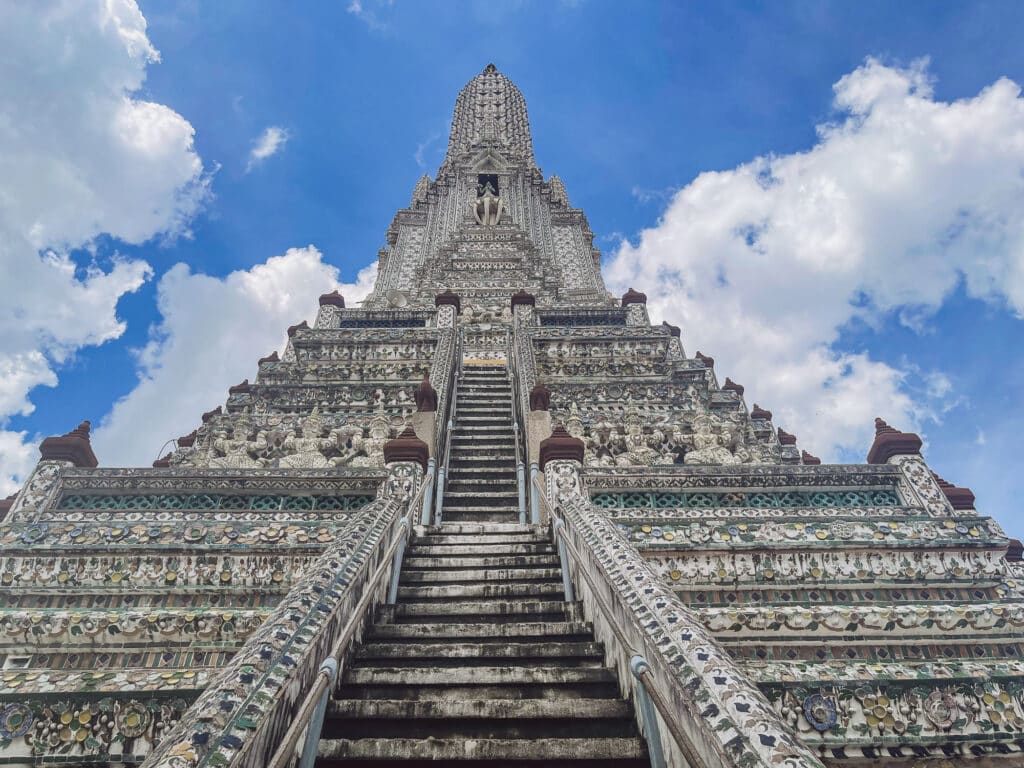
x=448, y=422
x=518, y=425
x=616, y=585
x=310, y=715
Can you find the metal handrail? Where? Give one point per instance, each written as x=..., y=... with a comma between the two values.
x=443, y=459
x=320, y=688
x=517, y=431
x=639, y=665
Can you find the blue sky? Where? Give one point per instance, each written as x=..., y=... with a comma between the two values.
x=629, y=103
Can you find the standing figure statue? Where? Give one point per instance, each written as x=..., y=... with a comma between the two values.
x=305, y=450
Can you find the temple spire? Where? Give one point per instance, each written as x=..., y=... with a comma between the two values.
x=490, y=110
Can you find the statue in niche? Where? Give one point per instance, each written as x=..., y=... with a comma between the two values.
x=349, y=443
x=709, y=443
x=372, y=446
x=637, y=446
x=242, y=450
x=574, y=424
x=305, y=449
x=488, y=206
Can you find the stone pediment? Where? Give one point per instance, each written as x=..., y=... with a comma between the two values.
x=489, y=161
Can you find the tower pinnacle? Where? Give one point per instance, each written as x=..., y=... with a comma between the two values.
x=490, y=109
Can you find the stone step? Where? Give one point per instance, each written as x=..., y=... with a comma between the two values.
x=481, y=709
x=435, y=536
x=511, y=727
x=497, y=675
x=427, y=549
x=468, y=484
x=483, y=607
x=456, y=591
x=461, y=495
x=471, y=575
x=496, y=516
x=465, y=491
x=521, y=631
x=476, y=654
x=546, y=750
x=509, y=529
x=461, y=473
x=472, y=441
x=488, y=459
x=488, y=561
x=472, y=455
x=504, y=460
x=482, y=505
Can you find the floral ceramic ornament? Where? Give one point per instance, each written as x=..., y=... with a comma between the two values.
x=941, y=710
x=15, y=720
x=820, y=712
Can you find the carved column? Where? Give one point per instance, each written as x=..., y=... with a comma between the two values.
x=329, y=314
x=635, y=304
x=56, y=454
x=903, y=449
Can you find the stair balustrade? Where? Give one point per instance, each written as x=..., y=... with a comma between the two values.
x=443, y=461
x=681, y=672
x=310, y=714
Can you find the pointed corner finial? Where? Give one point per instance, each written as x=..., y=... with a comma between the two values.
x=490, y=68
x=890, y=442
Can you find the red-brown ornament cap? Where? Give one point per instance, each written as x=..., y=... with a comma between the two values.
x=74, y=447
x=633, y=297
x=425, y=395
x=449, y=299
x=561, y=446
x=332, y=299
x=523, y=299
x=540, y=398
x=407, y=447
x=785, y=438
x=891, y=442
x=959, y=498
x=732, y=386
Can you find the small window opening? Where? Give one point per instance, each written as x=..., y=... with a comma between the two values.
x=485, y=180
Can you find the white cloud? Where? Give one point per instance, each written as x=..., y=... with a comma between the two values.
x=431, y=143
x=212, y=332
x=369, y=17
x=902, y=197
x=269, y=143
x=79, y=156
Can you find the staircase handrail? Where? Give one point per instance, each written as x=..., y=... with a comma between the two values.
x=643, y=675
x=686, y=672
x=449, y=424
x=326, y=675
x=518, y=431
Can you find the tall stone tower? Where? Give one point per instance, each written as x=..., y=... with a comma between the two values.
x=494, y=516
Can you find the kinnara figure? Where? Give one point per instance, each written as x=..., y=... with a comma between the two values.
x=488, y=206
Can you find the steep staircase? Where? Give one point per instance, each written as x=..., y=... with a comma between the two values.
x=482, y=468
x=481, y=661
